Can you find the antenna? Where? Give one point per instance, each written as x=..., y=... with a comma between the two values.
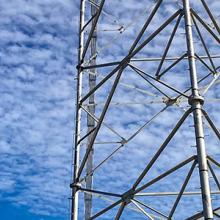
x=120, y=81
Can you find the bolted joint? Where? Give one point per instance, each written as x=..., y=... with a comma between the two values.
x=125, y=63
x=170, y=101
x=79, y=67
x=121, y=29
x=124, y=141
x=75, y=186
x=127, y=196
x=196, y=99
x=158, y=77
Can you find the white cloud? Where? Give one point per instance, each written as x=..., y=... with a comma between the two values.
x=38, y=53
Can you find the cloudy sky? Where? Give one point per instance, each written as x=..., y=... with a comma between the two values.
x=38, y=55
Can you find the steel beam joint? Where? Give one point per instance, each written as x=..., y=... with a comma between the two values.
x=195, y=99
x=75, y=186
x=127, y=196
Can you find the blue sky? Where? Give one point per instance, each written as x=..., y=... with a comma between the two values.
x=38, y=49
x=38, y=54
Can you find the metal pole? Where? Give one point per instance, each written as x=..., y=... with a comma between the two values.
x=91, y=120
x=196, y=102
x=75, y=199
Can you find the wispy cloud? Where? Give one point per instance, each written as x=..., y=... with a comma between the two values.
x=37, y=57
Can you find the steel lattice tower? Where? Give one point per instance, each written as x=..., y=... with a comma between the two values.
x=93, y=74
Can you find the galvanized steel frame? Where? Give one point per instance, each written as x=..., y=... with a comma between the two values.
x=195, y=100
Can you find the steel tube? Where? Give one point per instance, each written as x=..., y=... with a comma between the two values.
x=205, y=26
x=145, y=186
x=170, y=58
x=164, y=25
x=141, y=209
x=148, y=207
x=120, y=210
x=163, y=146
x=100, y=122
x=88, y=22
x=191, y=193
x=182, y=190
x=91, y=191
x=171, y=66
x=168, y=45
x=125, y=142
x=74, y=208
x=145, y=25
x=199, y=81
x=155, y=86
x=93, y=28
x=105, y=210
x=140, y=72
x=86, y=135
x=95, y=125
x=102, y=162
x=214, y=161
x=164, y=175
x=211, y=16
x=200, y=215
x=205, y=64
x=204, y=44
x=214, y=175
x=120, y=67
x=91, y=108
x=145, y=60
x=97, y=120
x=196, y=103
x=211, y=124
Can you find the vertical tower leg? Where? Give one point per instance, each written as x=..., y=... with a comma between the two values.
x=196, y=102
x=90, y=120
x=75, y=199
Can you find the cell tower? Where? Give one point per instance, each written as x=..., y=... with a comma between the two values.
x=146, y=145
